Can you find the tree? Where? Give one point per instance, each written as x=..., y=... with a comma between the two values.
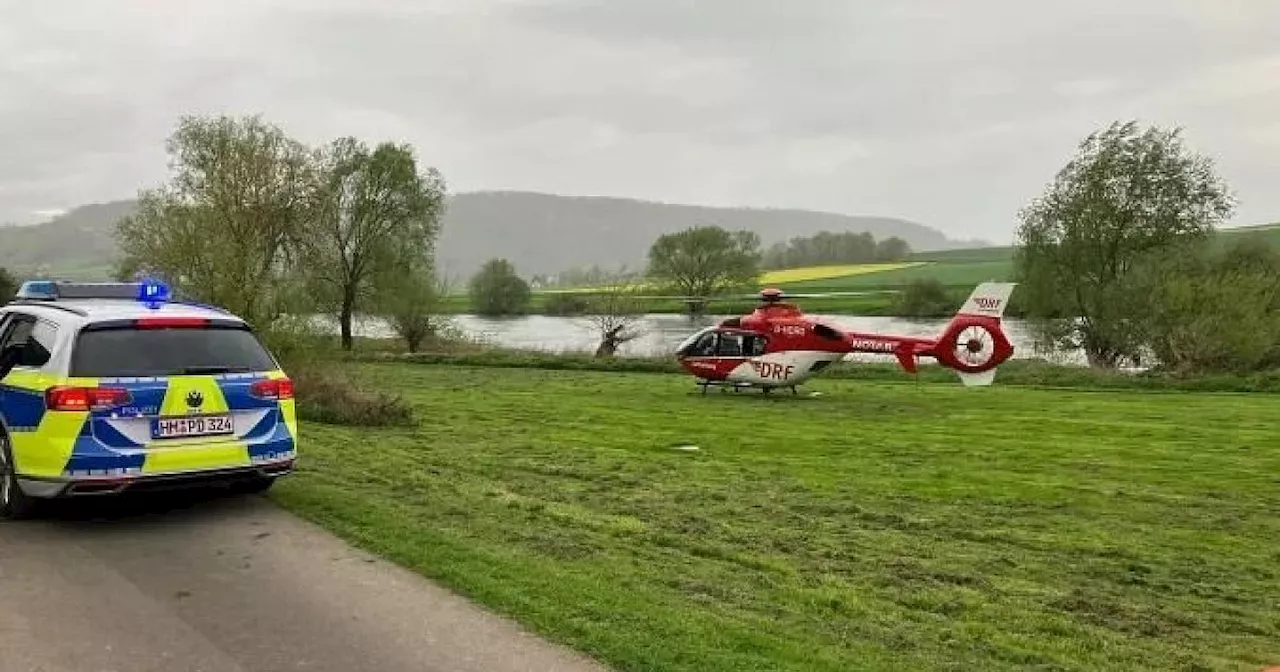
x=220, y=230
x=615, y=313
x=926, y=297
x=497, y=290
x=409, y=296
x=705, y=260
x=892, y=248
x=8, y=284
x=369, y=206
x=1127, y=193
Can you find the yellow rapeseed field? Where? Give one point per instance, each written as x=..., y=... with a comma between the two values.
x=781, y=276
x=824, y=272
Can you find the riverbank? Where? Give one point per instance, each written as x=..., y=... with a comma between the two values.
x=877, y=526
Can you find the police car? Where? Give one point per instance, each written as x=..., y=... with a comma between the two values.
x=112, y=387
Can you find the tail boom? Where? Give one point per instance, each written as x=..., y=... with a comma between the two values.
x=973, y=343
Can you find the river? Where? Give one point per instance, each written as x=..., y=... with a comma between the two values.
x=660, y=333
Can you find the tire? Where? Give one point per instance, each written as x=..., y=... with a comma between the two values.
x=14, y=503
x=253, y=486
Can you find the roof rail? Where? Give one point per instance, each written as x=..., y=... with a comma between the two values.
x=48, y=304
x=53, y=290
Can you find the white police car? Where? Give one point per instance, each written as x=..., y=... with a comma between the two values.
x=108, y=387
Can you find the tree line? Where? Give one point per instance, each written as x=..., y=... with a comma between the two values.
x=700, y=261
x=826, y=248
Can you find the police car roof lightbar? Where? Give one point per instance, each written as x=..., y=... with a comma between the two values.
x=151, y=291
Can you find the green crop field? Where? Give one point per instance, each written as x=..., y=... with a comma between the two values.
x=946, y=272
x=977, y=254
x=879, y=526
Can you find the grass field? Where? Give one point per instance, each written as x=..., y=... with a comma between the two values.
x=879, y=526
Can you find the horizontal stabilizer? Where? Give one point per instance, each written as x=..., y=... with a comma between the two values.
x=977, y=379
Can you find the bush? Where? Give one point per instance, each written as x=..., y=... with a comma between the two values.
x=565, y=303
x=926, y=297
x=328, y=396
x=496, y=290
x=322, y=392
x=1207, y=311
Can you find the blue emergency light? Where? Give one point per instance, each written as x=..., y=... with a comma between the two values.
x=38, y=289
x=151, y=292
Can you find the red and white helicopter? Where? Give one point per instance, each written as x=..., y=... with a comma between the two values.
x=777, y=346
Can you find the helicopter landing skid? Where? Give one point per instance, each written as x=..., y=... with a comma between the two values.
x=735, y=386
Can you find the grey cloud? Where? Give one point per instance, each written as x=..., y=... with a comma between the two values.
x=952, y=113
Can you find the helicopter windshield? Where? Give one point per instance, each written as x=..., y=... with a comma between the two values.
x=718, y=342
x=701, y=344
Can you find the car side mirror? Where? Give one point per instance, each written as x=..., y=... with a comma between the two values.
x=9, y=358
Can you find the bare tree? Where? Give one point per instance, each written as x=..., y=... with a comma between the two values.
x=615, y=313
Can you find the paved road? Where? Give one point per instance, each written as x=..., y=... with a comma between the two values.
x=231, y=585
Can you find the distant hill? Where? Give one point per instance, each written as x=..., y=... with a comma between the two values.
x=539, y=233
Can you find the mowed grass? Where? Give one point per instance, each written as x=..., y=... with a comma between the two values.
x=879, y=526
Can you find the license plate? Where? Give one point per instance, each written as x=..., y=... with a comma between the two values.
x=199, y=425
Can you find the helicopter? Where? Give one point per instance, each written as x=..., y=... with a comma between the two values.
x=778, y=346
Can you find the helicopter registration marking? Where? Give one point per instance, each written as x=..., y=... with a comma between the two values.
x=788, y=329
x=773, y=370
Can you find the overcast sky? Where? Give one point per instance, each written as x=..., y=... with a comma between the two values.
x=951, y=113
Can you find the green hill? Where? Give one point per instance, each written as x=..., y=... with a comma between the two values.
x=539, y=233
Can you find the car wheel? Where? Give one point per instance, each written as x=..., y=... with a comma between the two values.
x=14, y=503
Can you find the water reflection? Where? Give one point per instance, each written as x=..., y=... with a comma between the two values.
x=662, y=332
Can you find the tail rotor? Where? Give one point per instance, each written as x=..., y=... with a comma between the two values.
x=973, y=344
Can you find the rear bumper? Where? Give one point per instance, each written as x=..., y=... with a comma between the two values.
x=50, y=488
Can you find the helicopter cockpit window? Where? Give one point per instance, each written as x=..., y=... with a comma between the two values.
x=723, y=344
x=730, y=345
x=827, y=332
x=703, y=346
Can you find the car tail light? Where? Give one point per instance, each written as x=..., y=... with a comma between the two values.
x=274, y=389
x=85, y=398
x=168, y=322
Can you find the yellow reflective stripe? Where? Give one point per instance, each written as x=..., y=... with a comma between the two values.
x=287, y=408
x=199, y=452
x=39, y=381
x=290, y=418
x=30, y=380
x=175, y=396
x=188, y=457
x=46, y=451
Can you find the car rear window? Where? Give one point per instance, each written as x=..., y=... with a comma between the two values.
x=126, y=351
